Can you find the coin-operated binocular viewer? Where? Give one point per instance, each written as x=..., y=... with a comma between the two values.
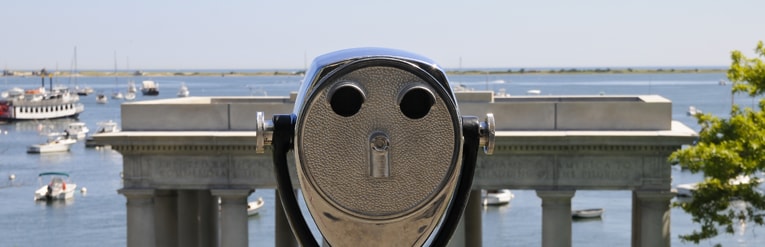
x=382, y=153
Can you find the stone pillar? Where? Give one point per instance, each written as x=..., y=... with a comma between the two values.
x=284, y=236
x=166, y=217
x=556, y=217
x=215, y=212
x=187, y=218
x=233, y=216
x=650, y=218
x=205, y=229
x=140, y=217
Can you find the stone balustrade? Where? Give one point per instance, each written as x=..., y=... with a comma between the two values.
x=190, y=153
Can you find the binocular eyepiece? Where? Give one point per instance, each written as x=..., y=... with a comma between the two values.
x=382, y=153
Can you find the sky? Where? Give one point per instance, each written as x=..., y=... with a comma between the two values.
x=288, y=34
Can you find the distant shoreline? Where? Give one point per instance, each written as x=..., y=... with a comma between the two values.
x=300, y=72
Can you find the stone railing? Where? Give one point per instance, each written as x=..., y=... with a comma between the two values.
x=189, y=153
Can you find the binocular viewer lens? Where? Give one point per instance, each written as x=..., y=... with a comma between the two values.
x=415, y=102
x=346, y=99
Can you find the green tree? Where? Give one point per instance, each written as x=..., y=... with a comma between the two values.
x=727, y=149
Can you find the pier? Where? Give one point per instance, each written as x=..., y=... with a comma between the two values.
x=190, y=163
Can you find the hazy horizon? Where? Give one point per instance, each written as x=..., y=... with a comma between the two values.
x=193, y=35
x=447, y=69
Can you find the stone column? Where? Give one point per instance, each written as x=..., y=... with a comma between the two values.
x=650, y=218
x=166, y=217
x=556, y=217
x=205, y=229
x=140, y=217
x=215, y=212
x=284, y=236
x=187, y=218
x=233, y=215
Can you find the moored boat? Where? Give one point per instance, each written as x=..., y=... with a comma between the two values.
x=253, y=208
x=149, y=88
x=76, y=130
x=686, y=190
x=83, y=91
x=117, y=95
x=103, y=127
x=496, y=197
x=56, y=143
x=38, y=104
x=587, y=213
x=131, y=87
x=183, y=91
x=101, y=98
x=129, y=96
x=59, y=187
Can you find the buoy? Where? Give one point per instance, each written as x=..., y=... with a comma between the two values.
x=84, y=190
x=12, y=177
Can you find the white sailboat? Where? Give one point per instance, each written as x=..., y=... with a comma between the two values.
x=116, y=94
x=73, y=74
x=130, y=96
x=132, y=89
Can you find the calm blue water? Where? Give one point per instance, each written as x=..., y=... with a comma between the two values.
x=98, y=217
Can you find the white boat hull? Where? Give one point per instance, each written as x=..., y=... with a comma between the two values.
x=56, y=194
x=59, y=187
x=253, y=208
x=62, y=145
x=501, y=197
x=41, y=106
x=77, y=130
x=588, y=213
x=130, y=96
x=686, y=190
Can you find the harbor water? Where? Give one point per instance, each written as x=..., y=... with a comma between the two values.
x=97, y=218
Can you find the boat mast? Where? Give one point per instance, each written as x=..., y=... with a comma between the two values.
x=75, y=66
x=115, y=70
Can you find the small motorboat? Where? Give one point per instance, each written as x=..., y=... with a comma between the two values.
x=253, y=208
x=76, y=130
x=56, y=143
x=183, y=91
x=496, y=197
x=686, y=190
x=693, y=111
x=117, y=95
x=101, y=98
x=150, y=88
x=59, y=187
x=587, y=213
x=83, y=91
x=103, y=127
